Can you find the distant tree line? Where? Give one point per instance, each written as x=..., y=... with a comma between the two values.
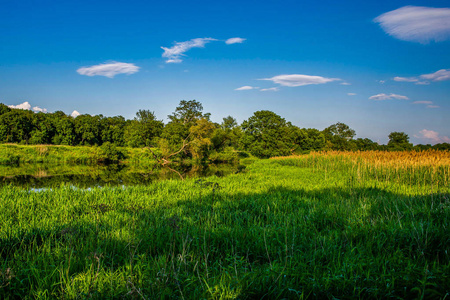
x=189, y=133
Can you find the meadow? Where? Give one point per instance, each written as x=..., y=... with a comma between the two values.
x=329, y=225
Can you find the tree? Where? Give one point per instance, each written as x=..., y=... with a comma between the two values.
x=311, y=139
x=200, y=142
x=65, y=129
x=365, y=144
x=266, y=134
x=4, y=109
x=43, y=129
x=16, y=126
x=113, y=130
x=399, y=141
x=187, y=112
x=88, y=129
x=339, y=135
x=150, y=126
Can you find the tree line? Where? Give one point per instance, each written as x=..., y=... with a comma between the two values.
x=189, y=133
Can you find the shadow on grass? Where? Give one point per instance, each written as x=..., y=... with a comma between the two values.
x=271, y=244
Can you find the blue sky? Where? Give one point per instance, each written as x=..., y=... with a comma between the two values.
x=378, y=66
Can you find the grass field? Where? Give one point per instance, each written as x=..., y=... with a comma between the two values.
x=365, y=225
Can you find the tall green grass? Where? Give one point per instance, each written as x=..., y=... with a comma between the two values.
x=11, y=154
x=284, y=229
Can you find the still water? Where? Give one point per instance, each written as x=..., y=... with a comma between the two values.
x=86, y=176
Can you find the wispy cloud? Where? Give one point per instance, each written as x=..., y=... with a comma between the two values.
x=406, y=79
x=391, y=96
x=345, y=83
x=109, y=69
x=272, y=89
x=27, y=106
x=175, y=53
x=429, y=104
x=75, y=114
x=432, y=136
x=440, y=75
x=293, y=80
x=417, y=23
x=235, y=40
x=246, y=87
x=351, y=94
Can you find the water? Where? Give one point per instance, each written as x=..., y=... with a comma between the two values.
x=39, y=176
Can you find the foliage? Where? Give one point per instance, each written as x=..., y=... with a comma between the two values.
x=399, y=141
x=266, y=134
x=339, y=135
x=110, y=153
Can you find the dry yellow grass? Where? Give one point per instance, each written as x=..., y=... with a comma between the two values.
x=430, y=166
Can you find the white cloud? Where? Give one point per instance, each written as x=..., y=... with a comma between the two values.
x=109, y=69
x=432, y=136
x=246, y=87
x=75, y=114
x=383, y=96
x=429, y=104
x=406, y=79
x=440, y=75
x=26, y=105
x=273, y=89
x=299, y=80
x=175, y=53
x=382, y=81
x=38, y=109
x=235, y=40
x=345, y=83
x=417, y=23
x=351, y=94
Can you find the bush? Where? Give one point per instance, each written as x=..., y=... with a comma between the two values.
x=109, y=153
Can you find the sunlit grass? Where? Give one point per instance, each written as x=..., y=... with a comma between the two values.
x=316, y=226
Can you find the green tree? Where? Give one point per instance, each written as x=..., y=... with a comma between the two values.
x=399, y=141
x=16, y=126
x=188, y=112
x=113, y=130
x=366, y=144
x=65, y=129
x=176, y=135
x=43, y=129
x=339, y=135
x=4, y=109
x=200, y=142
x=310, y=139
x=266, y=134
x=150, y=127
x=88, y=129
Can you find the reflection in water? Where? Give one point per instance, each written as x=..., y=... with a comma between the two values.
x=84, y=176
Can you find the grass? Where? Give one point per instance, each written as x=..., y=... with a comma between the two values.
x=13, y=154
x=329, y=225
